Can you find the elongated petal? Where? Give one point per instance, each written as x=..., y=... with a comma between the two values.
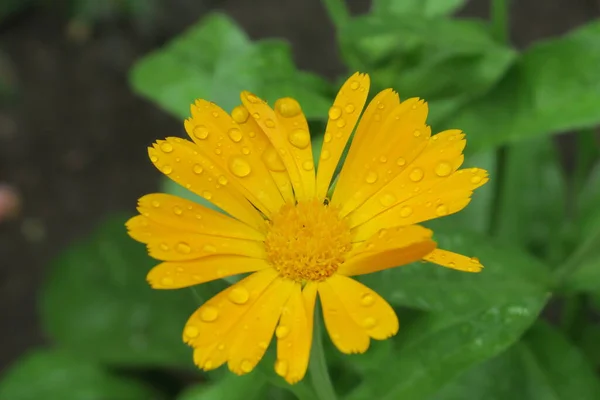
x=452, y=260
x=175, y=212
x=180, y=274
x=182, y=161
x=387, y=153
x=171, y=244
x=441, y=157
x=269, y=155
x=368, y=310
x=447, y=197
x=343, y=116
x=345, y=333
x=220, y=139
x=294, y=333
x=211, y=330
x=255, y=330
x=389, y=248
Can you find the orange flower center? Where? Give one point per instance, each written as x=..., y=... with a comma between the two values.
x=307, y=241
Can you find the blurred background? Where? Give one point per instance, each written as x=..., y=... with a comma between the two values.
x=73, y=134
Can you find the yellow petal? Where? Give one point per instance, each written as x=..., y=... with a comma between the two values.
x=446, y=197
x=182, y=161
x=368, y=310
x=343, y=116
x=345, y=333
x=180, y=274
x=255, y=330
x=221, y=139
x=266, y=118
x=441, y=157
x=185, y=215
x=388, y=248
x=171, y=244
x=294, y=333
x=269, y=155
x=452, y=260
x=384, y=155
x=212, y=328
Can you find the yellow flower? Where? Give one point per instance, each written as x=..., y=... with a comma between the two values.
x=257, y=166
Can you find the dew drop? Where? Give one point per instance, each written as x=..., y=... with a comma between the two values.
x=153, y=158
x=201, y=132
x=441, y=210
x=245, y=150
x=208, y=365
x=371, y=177
x=383, y=159
x=287, y=107
x=272, y=160
x=252, y=134
x=155, y=203
x=387, y=200
x=405, y=211
x=327, y=137
x=164, y=247
x=240, y=114
x=349, y=108
x=235, y=134
x=416, y=175
x=177, y=210
x=443, y=169
x=325, y=155
x=207, y=195
x=191, y=331
x=166, y=281
x=252, y=98
x=221, y=346
x=308, y=165
x=239, y=295
x=354, y=85
x=166, y=147
x=167, y=169
x=381, y=106
x=474, y=260
x=246, y=366
x=222, y=180
x=239, y=167
x=197, y=168
x=367, y=299
x=218, y=151
x=369, y=322
x=417, y=132
x=183, y=248
x=256, y=115
x=340, y=123
x=335, y=112
x=281, y=331
x=263, y=345
x=281, y=367
x=270, y=123
x=475, y=179
x=400, y=162
x=209, y=248
x=215, y=114
x=209, y=313
x=299, y=138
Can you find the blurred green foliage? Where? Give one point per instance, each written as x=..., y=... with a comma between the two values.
x=535, y=226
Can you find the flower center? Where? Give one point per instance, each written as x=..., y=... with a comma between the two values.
x=307, y=241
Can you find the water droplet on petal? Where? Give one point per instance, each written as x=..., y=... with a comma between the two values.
x=167, y=169
x=252, y=98
x=400, y=161
x=367, y=299
x=209, y=248
x=221, y=346
x=340, y=123
x=417, y=132
x=166, y=147
x=155, y=203
x=218, y=151
x=354, y=85
x=327, y=137
x=270, y=123
x=281, y=331
x=272, y=160
x=164, y=247
x=183, y=248
x=371, y=177
x=335, y=112
x=209, y=313
x=383, y=159
x=246, y=366
x=441, y=210
x=299, y=138
x=405, y=211
x=475, y=179
x=207, y=195
x=235, y=134
x=287, y=107
x=387, y=200
x=166, y=281
x=240, y=114
x=191, y=331
x=308, y=165
x=349, y=108
x=197, y=168
x=208, y=365
x=369, y=322
x=177, y=210
x=443, y=169
x=239, y=167
x=256, y=115
x=325, y=155
x=416, y=175
x=281, y=367
x=245, y=150
x=239, y=295
x=201, y=132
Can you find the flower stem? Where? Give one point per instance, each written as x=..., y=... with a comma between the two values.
x=319, y=373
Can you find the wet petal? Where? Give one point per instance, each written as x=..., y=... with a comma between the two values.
x=452, y=260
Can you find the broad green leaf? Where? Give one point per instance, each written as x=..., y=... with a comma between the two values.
x=97, y=303
x=438, y=347
x=585, y=274
x=52, y=374
x=533, y=199
x=446, y=62
x=215, y=60
x=509, y=275
x=230, y=387
x=544, y=365
x=428, y=8
x=554, y=87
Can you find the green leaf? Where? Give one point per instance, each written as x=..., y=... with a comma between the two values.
x=215, y=60
x=428, y=8
x=533, y=199
x=446, y=62
x=544, y=365
x=98, y=304
x=509, y=275
x=52, y=374
x=585, y=276
x=230, y=387
x=554, y=87
x=438, y=347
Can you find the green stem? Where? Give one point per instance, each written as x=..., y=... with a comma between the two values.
x=499, y=25
x=338, y=12
x=319, y=373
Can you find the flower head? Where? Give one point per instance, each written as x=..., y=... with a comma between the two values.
x=279, y=223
